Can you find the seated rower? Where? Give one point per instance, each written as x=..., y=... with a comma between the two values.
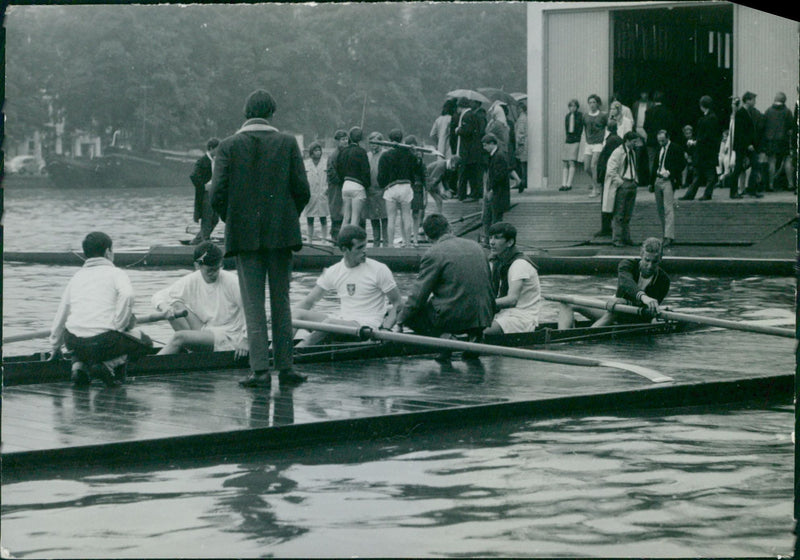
x=640, y=282
x=95, y=318
x=363, y=286
x=211, y=296
x=453, y=291
x=515, y=281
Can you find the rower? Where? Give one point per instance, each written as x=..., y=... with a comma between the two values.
x=640, y=282
x=211, y=296
x=95, y=319
x=362, y=284
x=453, y=291
x=515, y=281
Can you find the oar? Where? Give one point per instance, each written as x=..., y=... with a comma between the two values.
x=685, y=317
x=367, y=333
x=152, y=318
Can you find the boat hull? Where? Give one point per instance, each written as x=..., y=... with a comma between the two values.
x=25, y=370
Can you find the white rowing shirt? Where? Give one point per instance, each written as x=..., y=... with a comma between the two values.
x=362, y=290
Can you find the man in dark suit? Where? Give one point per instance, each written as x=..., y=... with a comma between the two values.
x=666, y=176
x=453, y=292
x=201, y=179
x=611, y=143
x=657, y=117
x=259, y=190
x=468, y=149
x=497, y=197
x=707, y=139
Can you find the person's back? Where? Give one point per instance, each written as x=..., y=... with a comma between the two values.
x=397, y=165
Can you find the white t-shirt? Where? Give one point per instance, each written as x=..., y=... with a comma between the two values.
x=217, y=305
x=362, y=290
x=524, y=316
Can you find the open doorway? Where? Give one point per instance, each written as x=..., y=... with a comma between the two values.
x=685, y=52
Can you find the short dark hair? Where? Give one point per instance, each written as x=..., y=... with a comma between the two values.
x=212, y=143
x=259, y=105
x=664, y=132
x=314, y=146
x=463, y=102
x=339, y=134
x=748, y=96
x=449, y=106
x=652, y=245
x=435, y=226
x=574, y=102
x=489, y=138
x=355, y=134
x=207, y=253
x=505, y=229
x=348, y=234
x=612, y=127
x=396, y=135
x=631, y=135
x=411, y=140
x=706, y=102
x=95, y=244
x=596, y=98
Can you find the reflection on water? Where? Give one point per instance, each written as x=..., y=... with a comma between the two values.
x=690, y=484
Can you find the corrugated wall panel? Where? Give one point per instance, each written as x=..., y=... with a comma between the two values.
x=577, y=65
x=766, y=47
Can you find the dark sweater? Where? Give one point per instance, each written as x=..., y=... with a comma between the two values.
x=352, y=163
x=399, y=165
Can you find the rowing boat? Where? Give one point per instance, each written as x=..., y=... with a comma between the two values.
x=23, y=370
x=565, y=260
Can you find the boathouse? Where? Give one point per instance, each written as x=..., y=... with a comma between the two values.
x=685, y=49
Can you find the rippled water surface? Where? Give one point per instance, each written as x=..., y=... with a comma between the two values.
x=684, y=483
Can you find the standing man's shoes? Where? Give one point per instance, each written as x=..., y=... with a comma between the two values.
x=704, y=198
x=289, y=377
x=257, y=379
x=684, y=197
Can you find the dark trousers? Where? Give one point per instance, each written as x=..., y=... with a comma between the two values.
x=425, y=322
x=473, y=174
x=756, y=183
x=490, y=215
x=255, y=268
x=208, y=220
x=624, y=202
x=704, y=175
x=106, y=346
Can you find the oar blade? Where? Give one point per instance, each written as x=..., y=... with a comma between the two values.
x=646, y=372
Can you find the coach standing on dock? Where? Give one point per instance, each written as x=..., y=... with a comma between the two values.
x=259, y=190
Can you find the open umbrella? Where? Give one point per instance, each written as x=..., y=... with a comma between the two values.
x=495, y=94
x=519, y=96
x=469, y=94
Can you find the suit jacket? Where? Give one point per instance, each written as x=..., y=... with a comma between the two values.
x=455, y=274
x=497, y=181
x=615, y=170
x=708, y=135
x=259, y=189
x=658, y=117
x=469, y=138
x=199, y=177
x=612, y=142
x=674, y=162
x=744, y=133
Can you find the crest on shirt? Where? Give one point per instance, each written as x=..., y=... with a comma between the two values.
x=351, y=289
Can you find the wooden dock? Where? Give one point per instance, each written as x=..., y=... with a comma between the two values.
x=167, y=417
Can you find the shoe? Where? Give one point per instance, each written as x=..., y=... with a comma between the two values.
x=667, y=242
x=80, y=375
x=289, y=377
x=704, y=198
x=257, y=379
x=686, y=198
x=105, y=374
x=562, y=188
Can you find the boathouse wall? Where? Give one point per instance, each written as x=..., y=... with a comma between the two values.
x=572, y=53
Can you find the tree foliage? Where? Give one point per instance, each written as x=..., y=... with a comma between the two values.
x=174, y=75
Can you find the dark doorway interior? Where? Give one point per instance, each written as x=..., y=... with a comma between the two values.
x=686, y=52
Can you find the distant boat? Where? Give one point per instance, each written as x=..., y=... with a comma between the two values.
x=123, y=168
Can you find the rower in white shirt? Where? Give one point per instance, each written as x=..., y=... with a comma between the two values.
x=211, y=296
x=365, y=288
x=95, y=318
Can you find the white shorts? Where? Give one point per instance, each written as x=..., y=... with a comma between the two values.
x=592, y=149
x=399, y=192
x=513, y=320
x=223, y=338
x=351, y=189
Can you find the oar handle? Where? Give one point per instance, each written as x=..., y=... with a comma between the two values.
x=611, y=305
x=44, y=333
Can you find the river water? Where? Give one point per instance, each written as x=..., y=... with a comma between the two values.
x=687, y=483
